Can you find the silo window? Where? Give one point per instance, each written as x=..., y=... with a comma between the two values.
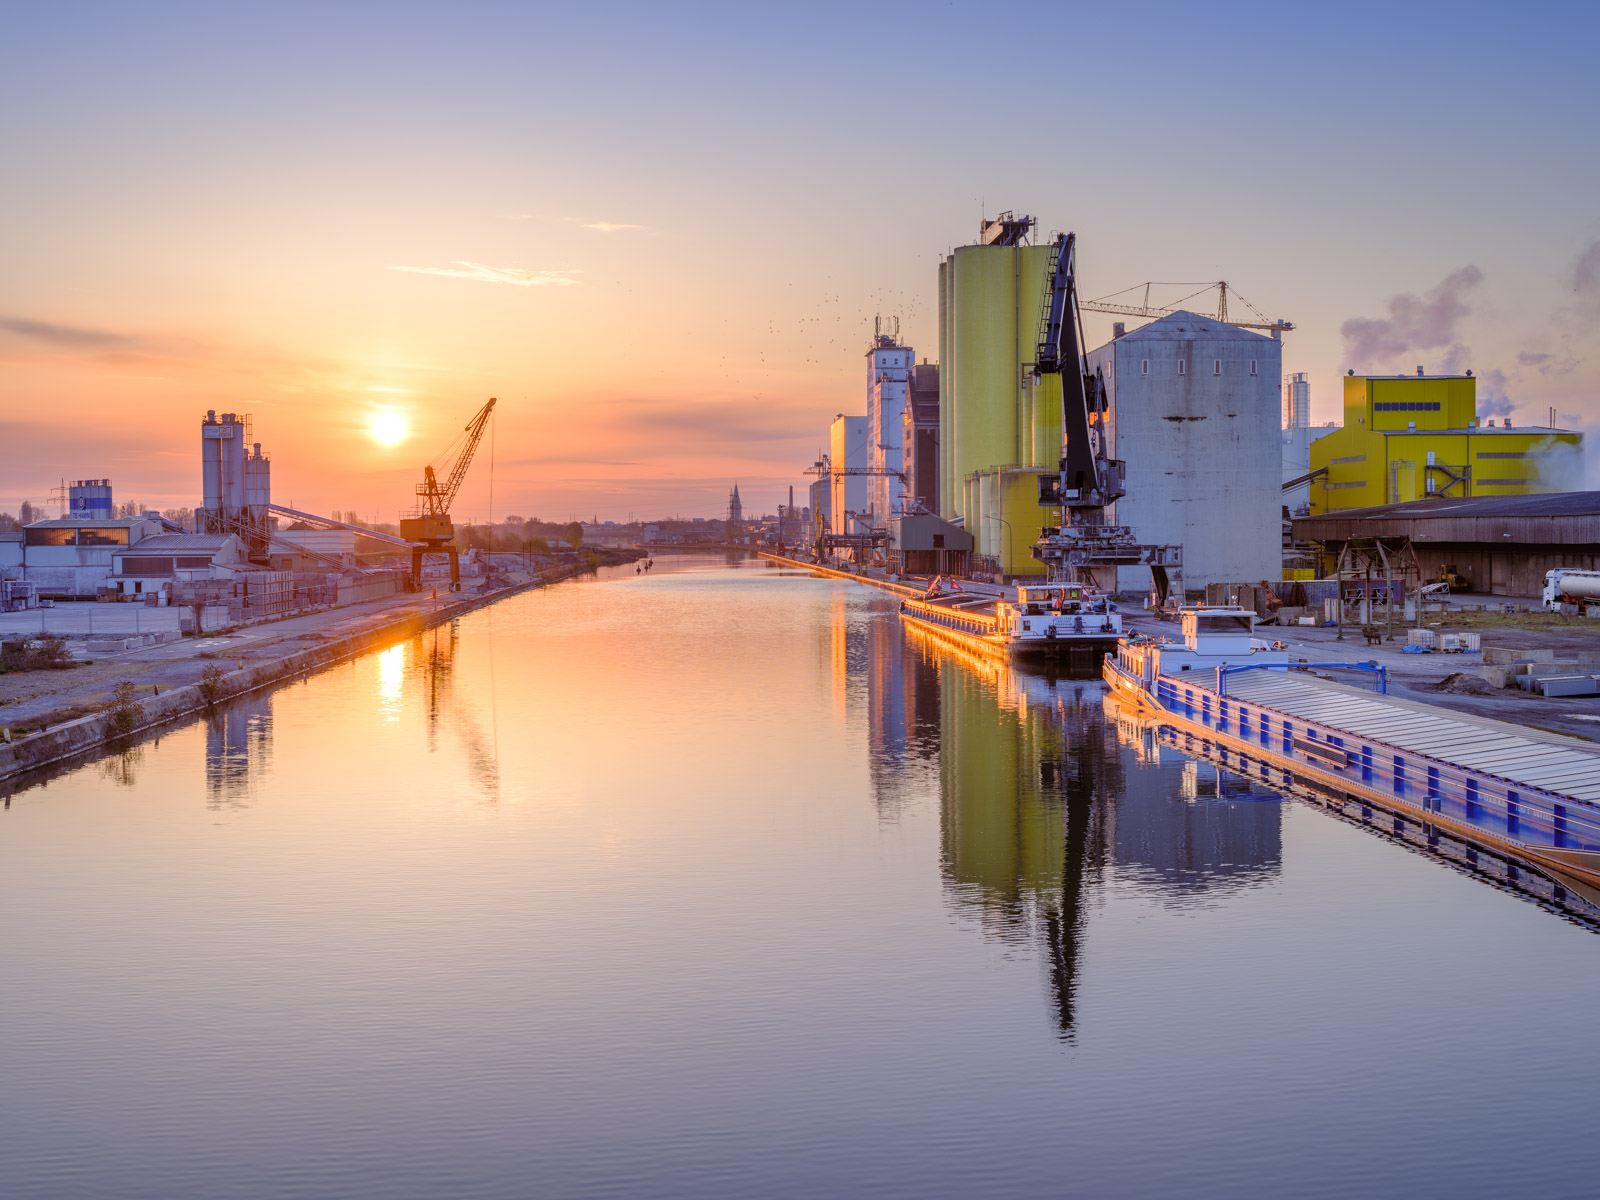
x=1252, y=366
x=1216, y=367
x=1180, y=366
x=1144, y=368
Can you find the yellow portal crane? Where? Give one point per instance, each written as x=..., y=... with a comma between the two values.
x=1110, y=304
x=428, y=527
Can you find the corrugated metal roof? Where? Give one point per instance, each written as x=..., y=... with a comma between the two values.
x=1482, y=744
x=1182, y=325
x=1541, y=519
x=1539, y=504
x=167, y=543
x=89, y=523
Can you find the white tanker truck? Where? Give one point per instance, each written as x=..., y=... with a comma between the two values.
x=1571, y=585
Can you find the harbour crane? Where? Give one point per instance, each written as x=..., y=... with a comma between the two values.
x=1088, y=479
x=1108, y=304
x=825, y=468
x=428, y=527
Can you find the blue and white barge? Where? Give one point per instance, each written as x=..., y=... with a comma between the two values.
x=1530, y=794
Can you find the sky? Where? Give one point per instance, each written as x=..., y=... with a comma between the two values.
x=659, y=234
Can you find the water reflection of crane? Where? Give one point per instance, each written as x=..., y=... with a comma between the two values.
x=1086, y=783
x=1026, y=782
x=436, y=652
x=1038, y=797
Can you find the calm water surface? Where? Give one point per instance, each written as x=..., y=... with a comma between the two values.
x=717, y=883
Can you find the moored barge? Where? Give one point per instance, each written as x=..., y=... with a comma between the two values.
x=1484, y=780
x=1058, y=622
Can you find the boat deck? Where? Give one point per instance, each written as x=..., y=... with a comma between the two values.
x=1495, y=748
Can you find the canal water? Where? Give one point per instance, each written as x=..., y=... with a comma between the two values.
x=716, y=882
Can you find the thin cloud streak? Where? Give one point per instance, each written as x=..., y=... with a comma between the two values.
x=61, y=335
x=608, y=226
x=515, y=276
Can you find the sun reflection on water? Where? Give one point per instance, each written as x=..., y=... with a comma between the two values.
x=391, y=678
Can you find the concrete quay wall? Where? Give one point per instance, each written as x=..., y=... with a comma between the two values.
x=86, y=735
x=899, y=589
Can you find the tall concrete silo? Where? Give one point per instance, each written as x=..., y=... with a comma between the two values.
x=992, y=414
x=234, y=484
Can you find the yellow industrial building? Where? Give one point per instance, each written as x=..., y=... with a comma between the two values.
x=1412, y=437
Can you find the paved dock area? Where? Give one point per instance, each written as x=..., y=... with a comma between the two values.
x=1528, y=757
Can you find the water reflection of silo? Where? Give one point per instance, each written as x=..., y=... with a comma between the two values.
x=902, y=716
x=1024, y=787
x=238, y=749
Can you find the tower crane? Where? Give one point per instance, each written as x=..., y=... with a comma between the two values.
x=1088, y=479
x=1108, y=304
x=428, y=527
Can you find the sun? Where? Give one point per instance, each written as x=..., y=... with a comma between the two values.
x=387, y=427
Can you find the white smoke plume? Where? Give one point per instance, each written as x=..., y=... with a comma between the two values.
x=1414, y=322
x=1492, y=398
x=1564, y=467
x=1586, y=280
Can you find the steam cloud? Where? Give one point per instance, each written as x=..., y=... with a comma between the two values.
x=1415, y=322
x=1564, y=467
x=1492, y=398
x=1586, y=275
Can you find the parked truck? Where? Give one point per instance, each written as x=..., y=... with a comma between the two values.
x=1571, y=586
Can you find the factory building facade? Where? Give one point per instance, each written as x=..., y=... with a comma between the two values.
x=1409, y=437
x=156, y=563
x=920, y=437
x=1195, y=415
x=889, y=369
x=849, y=446
x=72, y=557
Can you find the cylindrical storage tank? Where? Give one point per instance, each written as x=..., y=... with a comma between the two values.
x=1047, y=422
x=983, y=381
x=1026, y=518
x=211, y=462
x=949, y=500
x=1040, y=410
x=257, y=482
x=233, y=453
x=992, y=298
x=91, y=498
x=1578, y=585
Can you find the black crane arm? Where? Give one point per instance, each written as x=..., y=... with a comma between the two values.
x=1085, y=468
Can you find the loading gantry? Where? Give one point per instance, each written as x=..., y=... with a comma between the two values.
x=1089, y=479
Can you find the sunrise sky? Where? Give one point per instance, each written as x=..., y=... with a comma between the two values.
x=659, y=233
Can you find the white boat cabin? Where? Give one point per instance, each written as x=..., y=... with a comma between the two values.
x=1058, y=610
x=1212, y=637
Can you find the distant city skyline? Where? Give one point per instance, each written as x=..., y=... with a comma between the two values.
x=661, y=236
